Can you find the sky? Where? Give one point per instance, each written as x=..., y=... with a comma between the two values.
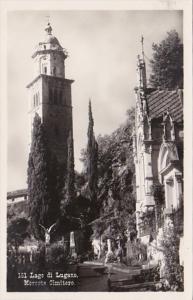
x=103, y=47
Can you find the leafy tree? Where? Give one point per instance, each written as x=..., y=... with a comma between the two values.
x=42, y=181
x=119, y=192
x=167, y=63
x=19, y=210
x=116, y=168
x=171, y=270
x=17, y=231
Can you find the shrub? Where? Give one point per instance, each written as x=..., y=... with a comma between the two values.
x=56, y=254
x=172, y=272
x=110, y=257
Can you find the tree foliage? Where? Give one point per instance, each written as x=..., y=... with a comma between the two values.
x=42, y=181
x=167, y=62
x=68, y=193
x=91, y=162
x=73, y=207
x=171, y=269
x=116, y=176
x=17, y=231
x=115, y=193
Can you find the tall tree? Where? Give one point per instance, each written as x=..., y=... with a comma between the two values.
x=167, y=62
x=68, y=194
x=92, y=161
x=42, y=182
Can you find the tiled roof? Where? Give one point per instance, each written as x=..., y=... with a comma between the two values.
x=161, y=101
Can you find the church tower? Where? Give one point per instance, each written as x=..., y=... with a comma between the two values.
x=50, y=94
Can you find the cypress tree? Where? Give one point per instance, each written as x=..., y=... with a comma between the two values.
x=68, y=194
x=92, y=160
x=42, y=179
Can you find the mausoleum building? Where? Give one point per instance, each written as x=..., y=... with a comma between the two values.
x=158, y=154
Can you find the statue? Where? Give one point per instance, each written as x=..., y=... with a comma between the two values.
x=47, y=232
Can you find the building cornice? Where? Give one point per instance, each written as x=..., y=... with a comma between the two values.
x=69, y=81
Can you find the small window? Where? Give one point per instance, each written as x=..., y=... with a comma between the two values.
x=44, y=47
x=54, y=70
x=45, y=70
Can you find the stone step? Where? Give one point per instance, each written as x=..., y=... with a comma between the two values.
x=116, y=286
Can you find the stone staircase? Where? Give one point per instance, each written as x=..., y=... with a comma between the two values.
x=145, y=280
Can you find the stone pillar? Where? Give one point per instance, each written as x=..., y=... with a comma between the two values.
x=109, y=251
x=109, y=246
x=142, y=178
x=181, y=251
x=138, y=193
x=178, y=188
x=148, y=175
x=72, y=244
x=169, y=184
x=137, y=184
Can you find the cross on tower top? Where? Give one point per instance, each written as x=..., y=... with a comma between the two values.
x=48, y=28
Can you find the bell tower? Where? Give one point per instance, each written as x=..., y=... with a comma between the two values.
x=50, y=94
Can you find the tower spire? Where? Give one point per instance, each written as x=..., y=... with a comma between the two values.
x=141, y=68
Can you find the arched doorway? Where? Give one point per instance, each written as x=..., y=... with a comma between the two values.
x=170, y=174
